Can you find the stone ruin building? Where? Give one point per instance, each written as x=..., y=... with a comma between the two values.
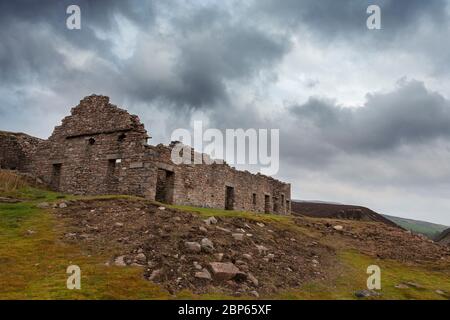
x=102, y=149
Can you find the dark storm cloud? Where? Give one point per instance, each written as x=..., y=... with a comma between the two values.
x=211, y=48
x=345, y=19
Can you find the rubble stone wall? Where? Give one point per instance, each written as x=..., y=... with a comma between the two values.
x=16, y=150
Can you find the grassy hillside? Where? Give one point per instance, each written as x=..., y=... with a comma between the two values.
x=428, y=229
x=34, y=258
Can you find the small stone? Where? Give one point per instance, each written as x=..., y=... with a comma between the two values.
x=247, y=256
x=366, y=294
x=414, y=284
x=224, y=271
x=401, y=286
x=118, y=224
x=440, y=292
x=252, y=279
x=177, y=219
x=261, y=249
x=204, y=274
x=260, y=224
x=223, y=229
x=249, y=235
x=197, y=266
x=338, y=228
x=218, y=256
x=162, y=208
x=314, y=261
x=120, y=261
x=207, y=245
x=63, y=205
x=238, y=236
x=254, y=293
x=270, y=256
x=210, y=220
x=193, y=246
x=203, y=229
x=141, y=258
x=156, y=274
x=30, y=232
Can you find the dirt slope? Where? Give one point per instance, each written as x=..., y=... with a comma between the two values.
x=282, y=253
x=338, y=211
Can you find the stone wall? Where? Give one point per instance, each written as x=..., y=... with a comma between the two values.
x=16, y=150
x=102, y=149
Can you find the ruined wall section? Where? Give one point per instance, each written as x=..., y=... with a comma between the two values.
x=204, y=185
x=98, y=149
x=17, y=150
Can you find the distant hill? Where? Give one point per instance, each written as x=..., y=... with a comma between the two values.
x=444, y=237
x=431, y=230
x=321, y=209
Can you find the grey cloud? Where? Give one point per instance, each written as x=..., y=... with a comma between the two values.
x=409, y=115
x=346, y=19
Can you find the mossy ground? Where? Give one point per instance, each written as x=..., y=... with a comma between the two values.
x=33, y=262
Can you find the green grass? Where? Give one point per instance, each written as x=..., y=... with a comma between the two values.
x=351, y=276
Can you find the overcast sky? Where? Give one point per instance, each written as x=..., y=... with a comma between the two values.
x=364, y=115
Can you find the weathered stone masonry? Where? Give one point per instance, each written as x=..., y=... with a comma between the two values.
x=102, y=149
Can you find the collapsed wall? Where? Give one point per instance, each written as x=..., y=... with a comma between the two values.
x=17, y=150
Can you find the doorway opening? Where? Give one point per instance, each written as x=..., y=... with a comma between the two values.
x=56, y=176
x=229, y=198
x=165, y=183
x=267, y=203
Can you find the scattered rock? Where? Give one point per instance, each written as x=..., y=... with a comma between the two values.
x=338, y=228
x=366, y=294
x=252, y=279
x=120, y=261
x=203, y=229
x=207, y=245
x=223, y=271
x=193, y=246
x=197, y=266
x=30, y=232
x=223, y=229
x=204, y=274
x=210, y=221
x=260, y=224
x=247, y=256
x=270, y=256
x=261, y=249
x=118, y=224
x=177, y=219
x=156, y=275
x=218, y=256
x=62, y=205
x=414, y=285
x=140, y=258
x=401, y=286
x=440, y=292
x=162, y=208
x=238, y=236
x=254, y=293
